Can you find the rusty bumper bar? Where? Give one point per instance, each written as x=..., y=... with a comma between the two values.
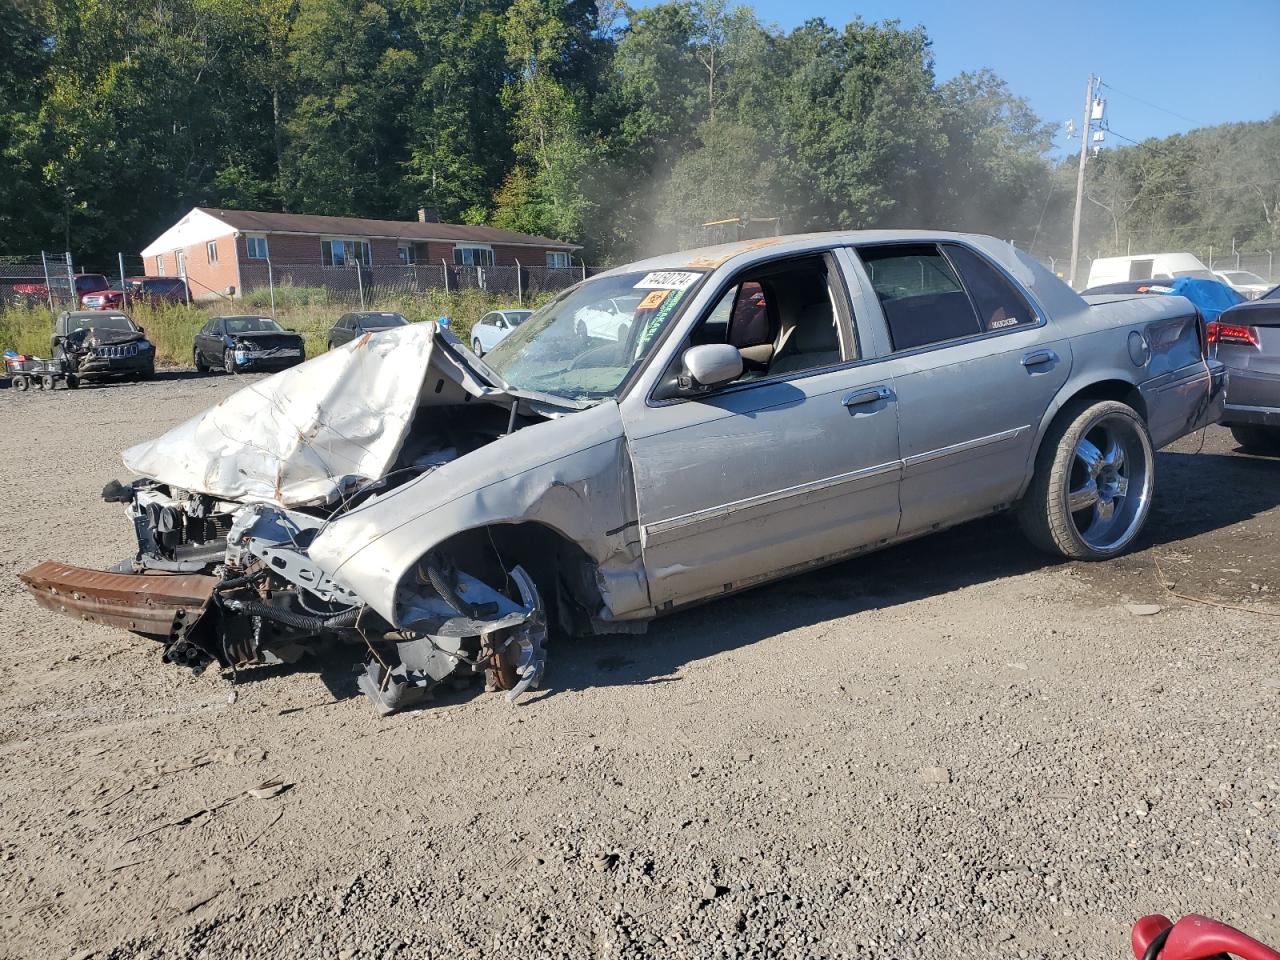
x=144, y=604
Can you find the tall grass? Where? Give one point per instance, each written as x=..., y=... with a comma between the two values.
x=172, y=328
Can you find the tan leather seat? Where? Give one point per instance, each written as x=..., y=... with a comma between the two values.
x=812, y=342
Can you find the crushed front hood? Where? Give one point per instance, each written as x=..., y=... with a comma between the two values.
x=306, y=434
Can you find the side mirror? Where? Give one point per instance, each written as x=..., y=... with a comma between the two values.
x=142, y=330
x=709, y=365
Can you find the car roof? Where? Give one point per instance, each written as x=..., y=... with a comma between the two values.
x=1050, y=290
x=243, y=316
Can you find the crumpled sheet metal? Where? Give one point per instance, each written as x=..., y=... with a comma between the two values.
x=302, y=435
x=524, y=477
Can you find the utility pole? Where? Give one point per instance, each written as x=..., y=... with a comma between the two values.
x=1084, y=155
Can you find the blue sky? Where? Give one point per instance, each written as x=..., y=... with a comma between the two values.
x=1211, y=62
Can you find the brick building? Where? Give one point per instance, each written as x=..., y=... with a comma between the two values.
x=225, y=252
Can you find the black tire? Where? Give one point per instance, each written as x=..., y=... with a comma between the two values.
x=201, y=366
x=476, y=348
x=47, y=382
x=1045, y=512
x=330, y=347
x=21, y=384
x=1257, y=439
x=229, y=362
x=73, y=382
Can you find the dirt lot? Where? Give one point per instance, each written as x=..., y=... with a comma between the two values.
x=953, y=748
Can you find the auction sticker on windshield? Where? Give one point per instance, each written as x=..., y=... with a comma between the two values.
x=668, y=280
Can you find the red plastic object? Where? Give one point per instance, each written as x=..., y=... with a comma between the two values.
x=1196, y=938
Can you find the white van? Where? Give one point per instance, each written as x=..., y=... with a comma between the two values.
x=1147, y=266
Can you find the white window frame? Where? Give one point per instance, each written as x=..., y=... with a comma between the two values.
x=159, y=264
x=559, y=259
x=353, y=251
x=460, y=251
x=211, y=251
x=249, y=242
x=404, y=249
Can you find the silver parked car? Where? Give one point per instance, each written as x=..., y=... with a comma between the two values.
x=1246, y=339
x=774, y=405
x=489, y=330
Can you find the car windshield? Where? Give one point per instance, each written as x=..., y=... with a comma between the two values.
x=91, y=283
x=517, y=317
x=1198, y=274
x=1244, y=276
x=584, y=344
x=379, y=321
x=105, y=321
x=252, y=325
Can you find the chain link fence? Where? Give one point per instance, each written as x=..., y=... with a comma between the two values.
x=267, y=283
x=43, y=278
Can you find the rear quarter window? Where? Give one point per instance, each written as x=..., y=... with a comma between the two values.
x=998, y=303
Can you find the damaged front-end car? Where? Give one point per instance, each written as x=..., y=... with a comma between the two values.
x=231, y=503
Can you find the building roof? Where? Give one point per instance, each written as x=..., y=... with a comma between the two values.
x=254, y=221
x=203, y=224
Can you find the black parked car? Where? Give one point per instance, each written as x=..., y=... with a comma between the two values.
x=353, y=325
x=237, y=344
x=1246, y=338
x=99, y=343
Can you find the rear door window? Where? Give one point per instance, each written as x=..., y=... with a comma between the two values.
x=998, y=303
x=921, y=295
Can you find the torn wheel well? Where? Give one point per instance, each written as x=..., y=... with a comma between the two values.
x=562, y=571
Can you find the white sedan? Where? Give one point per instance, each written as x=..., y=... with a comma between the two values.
x=493, y=326
x=1248, y=285
x=609, y=320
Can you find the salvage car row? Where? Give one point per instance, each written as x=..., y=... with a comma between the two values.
x=763, y=408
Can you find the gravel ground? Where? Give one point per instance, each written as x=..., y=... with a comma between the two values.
x=951, y=748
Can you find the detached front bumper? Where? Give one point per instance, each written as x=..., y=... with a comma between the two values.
x=155, y=605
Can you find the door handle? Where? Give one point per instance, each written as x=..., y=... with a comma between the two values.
x=870, y=395
x=1037, y=357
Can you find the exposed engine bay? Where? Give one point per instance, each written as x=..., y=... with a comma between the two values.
x=223, y=577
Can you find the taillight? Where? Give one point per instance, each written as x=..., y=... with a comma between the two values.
x=1232, y=333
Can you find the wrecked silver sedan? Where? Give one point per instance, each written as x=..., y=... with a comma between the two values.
x=763, y=408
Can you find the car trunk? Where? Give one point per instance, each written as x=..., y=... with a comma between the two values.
x=1255, y=369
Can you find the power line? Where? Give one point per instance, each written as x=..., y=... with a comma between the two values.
x=1121, y=136
x=1153, y=106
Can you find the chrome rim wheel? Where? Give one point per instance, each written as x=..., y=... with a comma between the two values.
x=1111, y=479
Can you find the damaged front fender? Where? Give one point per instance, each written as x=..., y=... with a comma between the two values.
x=586, y=496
